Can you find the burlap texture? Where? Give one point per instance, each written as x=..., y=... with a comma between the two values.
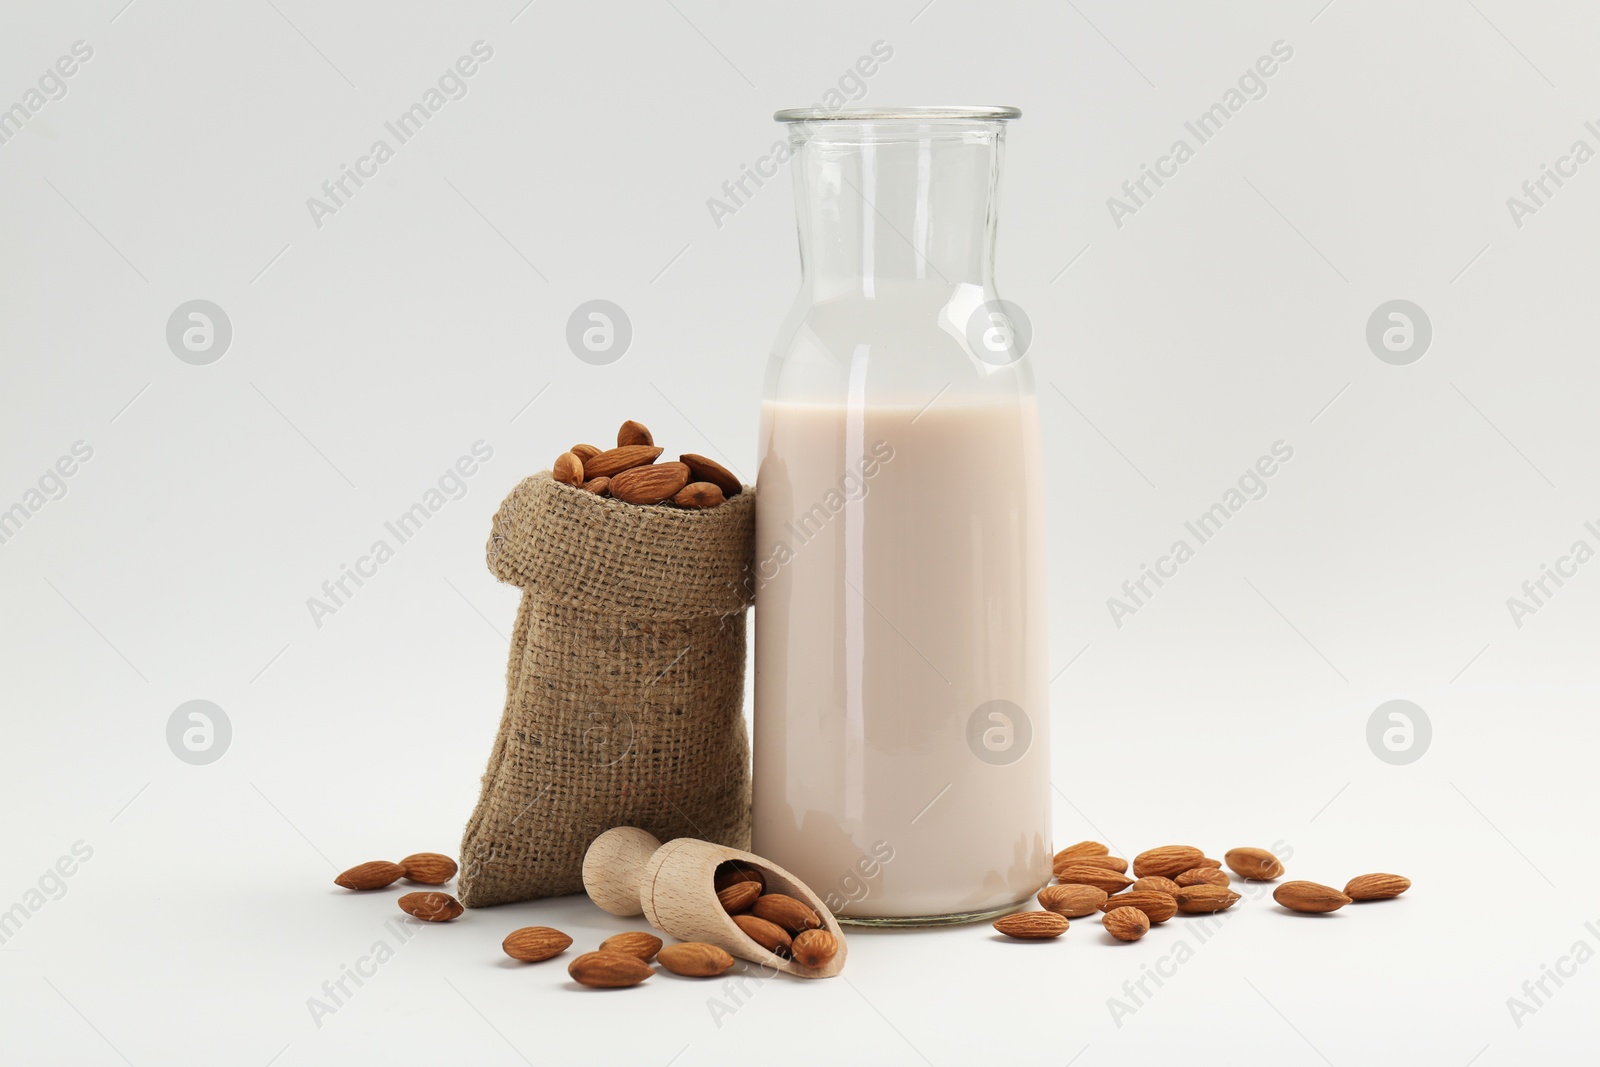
x=625, y=686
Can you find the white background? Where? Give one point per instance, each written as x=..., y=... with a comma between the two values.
x=368, y=354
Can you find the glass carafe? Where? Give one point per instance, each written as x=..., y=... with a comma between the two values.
x=902, y=764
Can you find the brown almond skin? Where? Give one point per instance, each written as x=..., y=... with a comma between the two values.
x=1032, y=925
x=739, y=896
x=1099, y=877
x=1376, y=886
x=1126, y=924
x=768, y=935
x=568, y=469
x=698, y=495
x=584, y=452
x=1167, y=860
x=609, y=970
x=633, y=943
x=1203, y=876
x=813, y=948
x=634, y=433
x=374, y=874
x=1309, y=898
x=1255, y=864
x=1205, y=899
x=695, y=959
x=1215, y=865
x=709, y=470
x=613, y=461
x=428, y=868
x=785, y=911
x=1157, y=883
x=650, y=484
x=431, y=907
x=1072, y=901
x=1082, y=848
x=1157, y=907
x=1105, y=863
x=600, y=486
x=534, y=944
x=733, y=871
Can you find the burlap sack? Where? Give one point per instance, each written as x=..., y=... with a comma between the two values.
x=625, y=687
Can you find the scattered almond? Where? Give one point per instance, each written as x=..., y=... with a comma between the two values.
x=1157, y=883
x=567, y=468
x=650, y=484
x=613, y=461
x=768, y=935
x=785, y=911
x=428, y=868
x=1099, y=877
x=1032, y=925
x=431, y=907
x=1205, y=899
x=633, y=943
x=695, y=959
x=739, y=896
x=634, y=433
x=709, y=470
x=1167, y=860
x=1203, y=876
x=1108, y=863
x=813, y=948
x=1126, y=924
x=600, y=486
x=1207, y=861
x=698, y=495
x=1073, y=901
x=609, y=970
x=535, y=943
x=1256, y=864
x=1082, y=848
x=1376, y=886
x=1157, y=907
x=374, y=874
x=1309, y=897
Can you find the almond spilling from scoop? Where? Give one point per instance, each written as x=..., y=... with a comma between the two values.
x=584, y=452
x=695, y=959
x=739, y=896
x=1309, y=897
x=769, y=935
x=813, y=948
x=709, y=470
x=733, y=871
x=1205, y=899
x=1157, y=907
x=1126, y=924
x=785, y=911
x=535, y=943
x=1157, y=883
x=1376, y=886
x=1099, y=877
x=600, y=486
x=634, y=433
x=613, y=461
x=428, y=868
x=1032, y=925
x=1256, y=864
x=431, y=907
x=633, y=943
x=1082, y=848
x=374, y=874
x=567, y=468
x=609, y=970
x=1203, y=876
x=1167, y=860
x=698, y=495
x=1073, y=901
x=650, y=484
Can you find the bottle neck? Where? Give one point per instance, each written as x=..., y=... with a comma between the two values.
x=884, y=205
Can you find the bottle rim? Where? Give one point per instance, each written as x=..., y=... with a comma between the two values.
x=957, y=113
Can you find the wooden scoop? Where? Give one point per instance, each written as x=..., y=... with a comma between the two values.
x=628, y=872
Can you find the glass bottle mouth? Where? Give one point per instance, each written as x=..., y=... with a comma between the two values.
x=960, y=113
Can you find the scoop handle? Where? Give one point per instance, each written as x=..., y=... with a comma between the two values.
x=614, y=867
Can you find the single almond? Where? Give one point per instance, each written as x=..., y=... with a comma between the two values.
x=1110, y=863
x=634, y=433
x=1158, y=907
x=600, y=486
x=1126, y=924
x=1309, y=897
x=1073, y=901
x=1207, y=861
x=813, y=948
x=567, y=468
x=375, y=874
x=1099, y=877
x=428, y=868
x=1157, y=883
x=1376, y=886
x=732, y=871
x=698, y=495
x=739, y=896
x=431, y=907
x=1167, y=860
x=1256, y=864
x=609, y=970
x=1082, y=848
x=613, y=461
x=791, y=914
x=768, y=935
x=650, y=484
x=535, y=943
x=1203, y=876
x=695, y=959
x=709, y=470
x=633, y=943
x=1032, y=925
x=584, y=452
x=1205, y=899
